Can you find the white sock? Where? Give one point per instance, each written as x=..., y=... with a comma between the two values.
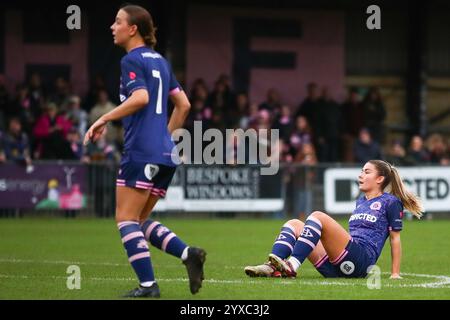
x=184, y=255
x=147, y=284
x=294, y=263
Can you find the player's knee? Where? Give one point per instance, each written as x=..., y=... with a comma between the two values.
x=296, y=225
x=318, y=214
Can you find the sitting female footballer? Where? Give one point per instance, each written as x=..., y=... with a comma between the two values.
x=332, y=250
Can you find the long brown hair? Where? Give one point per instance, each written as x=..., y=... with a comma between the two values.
x=140, y=17
x=393, y=181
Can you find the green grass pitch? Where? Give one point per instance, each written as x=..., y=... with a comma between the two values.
x=35, y=254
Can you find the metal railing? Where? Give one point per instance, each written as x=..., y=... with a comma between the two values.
x=300, y=188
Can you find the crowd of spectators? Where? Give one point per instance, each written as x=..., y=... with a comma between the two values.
x=319, y=129
x=41, y=123
x=37, y=122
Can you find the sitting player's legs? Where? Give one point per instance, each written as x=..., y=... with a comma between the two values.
x=130, y=202
x=318, y=227
x=285, y=242
x=282, y=249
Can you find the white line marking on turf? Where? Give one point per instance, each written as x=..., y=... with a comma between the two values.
x=442, y=280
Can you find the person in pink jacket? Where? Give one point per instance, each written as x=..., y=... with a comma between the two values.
x=50, y=132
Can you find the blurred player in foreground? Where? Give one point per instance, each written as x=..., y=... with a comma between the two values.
x=147, y=167
x=332, y=250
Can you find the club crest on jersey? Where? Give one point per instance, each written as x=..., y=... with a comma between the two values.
x=347, y=267
x=150, y=171
x=132, y=75
x=376, y=205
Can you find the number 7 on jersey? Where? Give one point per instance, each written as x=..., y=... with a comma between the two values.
x=157, y=74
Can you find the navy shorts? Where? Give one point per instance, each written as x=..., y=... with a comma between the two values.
x=144, y=175
x=353, y=262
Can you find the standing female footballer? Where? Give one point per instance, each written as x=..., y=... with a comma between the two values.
x=332, y=250
x=147, y=167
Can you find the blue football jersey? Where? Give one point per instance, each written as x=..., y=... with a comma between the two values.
x=372, y=220
x=146, y=136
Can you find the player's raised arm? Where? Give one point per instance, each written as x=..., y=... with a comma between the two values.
x=396, y=254
x=137, y=100
x=180, y=112
x=134, y=103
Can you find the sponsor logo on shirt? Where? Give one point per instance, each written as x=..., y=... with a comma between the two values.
x=363, y=216
x=132, y=75
x=151, y=55
x=376, y=205
x=131, y=82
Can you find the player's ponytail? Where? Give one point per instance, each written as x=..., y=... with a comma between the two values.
x=394, y=183
x=140, y=17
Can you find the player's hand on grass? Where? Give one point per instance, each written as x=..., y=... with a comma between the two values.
x=395, y=276
x=95, y=131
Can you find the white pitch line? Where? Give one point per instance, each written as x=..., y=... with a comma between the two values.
x=213, y=281
x=443, y=280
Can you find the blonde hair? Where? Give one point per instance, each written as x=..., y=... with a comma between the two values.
x=393, y=182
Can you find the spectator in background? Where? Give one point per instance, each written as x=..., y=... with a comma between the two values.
x=4, y=102
x=37, y=95
x=50, y=131
x=417, y=154
x=101, y=150
x=76, y=115
x=253, y=115
x=199, y=112
x=21, y=108
x=365, y=148
x=310, y=109
x=2, y=152
x=284, y=123
x=445, y=160
x=303, y=179
x=98, y=84
x=272, y=103
x=352, y=123
x=240, y=114
x=103, y=105
x=329, y=131
x=15, y=144
x=300, y=135
x=353, y=112
x=199, y=90
x=74, y=139
x=396, y=154
x=374, y=114
x=436, y=147
x=264, y=120
x=61, y=94
x=221, y=98
x=306, y=155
